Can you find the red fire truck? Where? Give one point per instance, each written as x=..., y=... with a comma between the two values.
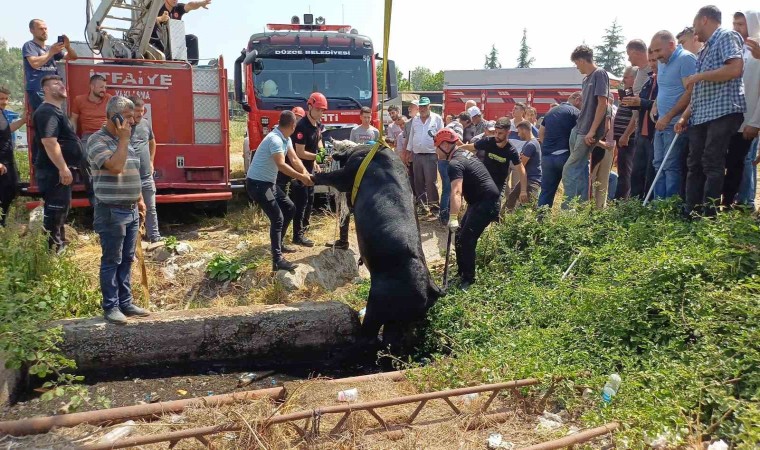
x=280, y=69
x=497, y=90
x=187, y=105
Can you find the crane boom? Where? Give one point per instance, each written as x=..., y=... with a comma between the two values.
x=135, y=41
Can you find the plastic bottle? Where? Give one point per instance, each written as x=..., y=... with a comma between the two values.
x=611, y=387
x=349, y=395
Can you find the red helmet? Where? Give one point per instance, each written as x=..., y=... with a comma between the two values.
x=317, y=100
x=299, y=111
x=445, y=135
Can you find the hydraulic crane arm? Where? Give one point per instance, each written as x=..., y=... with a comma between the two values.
x=112, y=15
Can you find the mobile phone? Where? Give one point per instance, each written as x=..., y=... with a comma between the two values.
x=61, y=39
x=117, y=119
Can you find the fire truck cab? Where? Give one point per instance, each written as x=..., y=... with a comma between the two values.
x=282, y=67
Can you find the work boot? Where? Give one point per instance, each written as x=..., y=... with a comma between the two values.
x=339, y=244
x=283, y=264
x=114, y=315
x=303, y=241
x=465, y=284
x=285, y=249
x=134, y=311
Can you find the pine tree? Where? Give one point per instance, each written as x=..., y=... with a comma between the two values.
x=608, y=55
x=492, y=59
x=524, y=61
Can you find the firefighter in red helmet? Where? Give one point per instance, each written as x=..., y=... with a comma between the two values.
x=469, y=179
x=307, y=140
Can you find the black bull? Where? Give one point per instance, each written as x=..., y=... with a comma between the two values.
x=390, y=246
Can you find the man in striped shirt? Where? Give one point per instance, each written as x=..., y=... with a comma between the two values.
x=118, y=192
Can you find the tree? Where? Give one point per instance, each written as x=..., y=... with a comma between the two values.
x=418, y=77
x=608, y=55
x=434, y=82
x=423, y=79
x=11, y=69
x=403, y=83
x=492, y=59
x=524, y=61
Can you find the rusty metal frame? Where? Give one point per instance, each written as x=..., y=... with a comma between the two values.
x=310, y=430
x=313, y=417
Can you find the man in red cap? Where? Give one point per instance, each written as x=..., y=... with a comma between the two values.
x=299, y=112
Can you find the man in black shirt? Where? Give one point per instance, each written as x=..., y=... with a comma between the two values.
x=469, y=179
x=498, y=153
x=54, y=134
x=172, y=9
x=8, y=170
x=307, y=140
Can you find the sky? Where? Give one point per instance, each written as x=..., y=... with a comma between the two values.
x=439, y=35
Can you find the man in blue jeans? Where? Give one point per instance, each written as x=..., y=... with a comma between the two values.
x=116, y=180
x=715, y=113
x=675, y=64
x=144, y=143
x=555, y=145
x=262, y=188
x=591, y=123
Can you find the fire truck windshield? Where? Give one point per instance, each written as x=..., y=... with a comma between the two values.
x=346, y=82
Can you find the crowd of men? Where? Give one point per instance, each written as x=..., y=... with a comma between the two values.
x=686, y=125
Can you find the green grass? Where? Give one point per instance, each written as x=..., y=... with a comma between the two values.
x=673, y=306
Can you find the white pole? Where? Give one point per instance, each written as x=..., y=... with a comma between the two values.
x=651, y=188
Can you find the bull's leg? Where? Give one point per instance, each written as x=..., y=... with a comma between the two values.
x=340, y=179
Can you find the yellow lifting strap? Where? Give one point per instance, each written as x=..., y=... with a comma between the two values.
x=380, y=142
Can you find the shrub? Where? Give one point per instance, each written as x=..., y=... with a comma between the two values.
x=37, y=287
x=673, y=306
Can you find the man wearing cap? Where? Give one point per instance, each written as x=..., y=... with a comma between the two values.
x=420, y=143
x=477, y=120
x=471, y=180
x=490, y=131
x=406, y=155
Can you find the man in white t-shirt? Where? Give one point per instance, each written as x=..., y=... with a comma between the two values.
x=361, y=134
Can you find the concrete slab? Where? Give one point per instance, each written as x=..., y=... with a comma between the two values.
x=267, y=335
x=10, y=380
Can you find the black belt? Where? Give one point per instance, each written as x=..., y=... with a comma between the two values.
x=129, y=206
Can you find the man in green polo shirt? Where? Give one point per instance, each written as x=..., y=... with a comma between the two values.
x=118, y=203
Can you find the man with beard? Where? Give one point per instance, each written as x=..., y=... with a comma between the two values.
x=58, y=148
x=88, y=111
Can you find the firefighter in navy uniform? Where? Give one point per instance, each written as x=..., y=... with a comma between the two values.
x=307, y=141
x=471, y=180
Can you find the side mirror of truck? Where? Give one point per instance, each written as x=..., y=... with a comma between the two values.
x=391, y=80
x=239, y=97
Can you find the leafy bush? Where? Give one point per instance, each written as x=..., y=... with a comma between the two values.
x=673, y=306
x=37, y=287
x=171, y=243
x=222, y=268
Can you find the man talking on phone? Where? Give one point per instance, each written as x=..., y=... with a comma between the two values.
x=118, y=189
x=58, y=148
x=40, y=59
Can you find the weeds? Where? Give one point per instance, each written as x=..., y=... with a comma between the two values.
x=223, y=268
x=673, y=306
x=36, y=288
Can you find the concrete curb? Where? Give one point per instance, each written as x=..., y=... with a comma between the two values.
x=303, y=332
